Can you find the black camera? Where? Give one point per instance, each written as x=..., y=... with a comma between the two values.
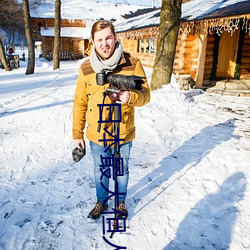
x=121, y=82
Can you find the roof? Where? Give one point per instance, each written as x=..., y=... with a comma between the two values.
x=79, y=32
x=193, y=10
x=208, y=9
x=236, y=9
x=146, y=20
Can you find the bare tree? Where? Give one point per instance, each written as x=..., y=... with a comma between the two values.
x=56, y=59
x=36, y=3
x=168, y=34
x=28, y=33
x=11, y=16
x=3, y=57
x=11, y=24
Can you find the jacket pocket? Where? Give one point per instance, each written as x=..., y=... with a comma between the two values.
x=127, y=119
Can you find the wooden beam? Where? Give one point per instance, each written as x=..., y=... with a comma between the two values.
x=201, y=60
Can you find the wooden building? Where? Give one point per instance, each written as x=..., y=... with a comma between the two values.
x=77, y=19
x=212, y=45
x=74, y=36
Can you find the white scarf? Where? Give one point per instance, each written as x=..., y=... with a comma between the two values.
x=98, y=64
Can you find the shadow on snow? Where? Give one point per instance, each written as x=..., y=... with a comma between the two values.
x=189, y=155
x=23, y=110
x=210, y=223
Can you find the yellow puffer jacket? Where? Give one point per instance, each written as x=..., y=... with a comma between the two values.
x=88, y=95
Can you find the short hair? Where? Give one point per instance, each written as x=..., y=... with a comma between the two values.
x=101, y=24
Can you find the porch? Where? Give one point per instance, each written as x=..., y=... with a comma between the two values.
x=231, y=87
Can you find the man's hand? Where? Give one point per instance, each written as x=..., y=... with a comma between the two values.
x=79, y=143
x=123, y=97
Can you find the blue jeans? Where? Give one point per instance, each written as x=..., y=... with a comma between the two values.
x=98, y=154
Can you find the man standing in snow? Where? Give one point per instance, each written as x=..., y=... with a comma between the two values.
x=107, y=54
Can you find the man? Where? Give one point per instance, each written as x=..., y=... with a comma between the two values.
x=107, y=54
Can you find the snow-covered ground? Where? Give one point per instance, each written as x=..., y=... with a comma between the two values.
x=189, y=169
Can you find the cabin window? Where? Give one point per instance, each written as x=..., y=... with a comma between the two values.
x=140, y=45
x=152, y=45
x=146, y=45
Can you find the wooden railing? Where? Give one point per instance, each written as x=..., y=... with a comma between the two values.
x=63, y=55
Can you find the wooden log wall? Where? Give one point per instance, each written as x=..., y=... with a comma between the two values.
x=47, y=45
x=190, y=56
x=178, y=61
x=50, y=22
x=209, y=57
x=79, y=46
x=131, y=46
x=66, y=44
x=146, y=59
x=186, y=55
x=73, y=45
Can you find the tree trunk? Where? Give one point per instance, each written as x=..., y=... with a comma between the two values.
x=3, y=57
x=168, y=34
x=28, y=33
x=56, y=59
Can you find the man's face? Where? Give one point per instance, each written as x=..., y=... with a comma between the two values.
x=104, y=42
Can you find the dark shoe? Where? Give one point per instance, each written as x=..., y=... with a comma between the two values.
x=97, y=210
x=122, y=209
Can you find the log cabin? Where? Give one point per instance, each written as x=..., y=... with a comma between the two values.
x=213, y=41
x=74, y=37
x=77, y=19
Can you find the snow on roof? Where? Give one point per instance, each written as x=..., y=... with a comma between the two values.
x=79, y=32
x=85, y=10
x=197, y=9
x=145, y=20
x=192, y=10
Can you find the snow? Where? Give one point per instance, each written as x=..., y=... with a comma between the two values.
x=192, y=10
x=189, y=169
x=145, y=20
x=197, y=9
x=155, y=3
x=86, y=10
x=84, y=33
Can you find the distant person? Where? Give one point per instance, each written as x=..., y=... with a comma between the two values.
x=11, y=50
